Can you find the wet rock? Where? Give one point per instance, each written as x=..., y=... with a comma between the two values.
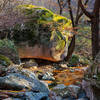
x=23, y=79
x=37, y=96
x=61, y=91
x=48, y=76
x=60, y=86
x=31, y=96
x=18, y=79
x=67, y=91
x=53, y=96
x=82, y=94
x=74, y=90
x=14, y=82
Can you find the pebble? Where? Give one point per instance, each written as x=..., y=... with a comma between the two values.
x=48, y=76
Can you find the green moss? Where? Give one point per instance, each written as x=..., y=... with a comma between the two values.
x=74, y=60
x=7, y=44
x=8, y=49
x=5, y=60
x=41, y=14
x=98, y=76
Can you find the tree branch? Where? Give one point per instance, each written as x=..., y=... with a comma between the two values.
x=70, y=12
x=78, y=15
x=88, y=14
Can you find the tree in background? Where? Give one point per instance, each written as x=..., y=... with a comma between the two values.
x=75, y=21
x=62, y=4
x=95, y=22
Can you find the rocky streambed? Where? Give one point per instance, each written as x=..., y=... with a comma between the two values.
x=30, y=81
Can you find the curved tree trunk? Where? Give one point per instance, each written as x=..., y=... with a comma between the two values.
x=71, y=48
x=94, y=16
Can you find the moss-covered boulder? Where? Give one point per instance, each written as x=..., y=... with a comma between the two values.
x=41, y=34
x=8, y=52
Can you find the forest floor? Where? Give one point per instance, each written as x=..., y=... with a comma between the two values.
x=59, y=73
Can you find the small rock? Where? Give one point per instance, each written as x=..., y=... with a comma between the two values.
x=53, y=96
x=36, y=96
x=64, y=65
x=61, y=90
x=48, y=76
x=73, y=90
x=82, y=94
x=66, y=91
x=72, y=70
x=60, y=86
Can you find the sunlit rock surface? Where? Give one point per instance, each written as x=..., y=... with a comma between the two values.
x=41, y=34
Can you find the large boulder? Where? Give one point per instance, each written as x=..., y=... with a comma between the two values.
x=8, y=52
x=41, y=33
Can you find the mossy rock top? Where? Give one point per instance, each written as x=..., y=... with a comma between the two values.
x=40, y=20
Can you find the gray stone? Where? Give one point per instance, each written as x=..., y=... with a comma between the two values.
x=23, y=79
x=73, y=90
x=36, y=96
x=48, y=76
x=60, y=86
x=64, y=65
x=66, y=91
x=61, y=91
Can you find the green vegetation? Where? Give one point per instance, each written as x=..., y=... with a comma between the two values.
x=5, y=61
x=83, y=44
x=7, y=44
x=74, y=60
x=8, y=49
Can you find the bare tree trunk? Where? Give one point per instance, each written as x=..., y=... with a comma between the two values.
x=60, y=12
x=95, y=36
x=74, y=24
x=94, y=16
